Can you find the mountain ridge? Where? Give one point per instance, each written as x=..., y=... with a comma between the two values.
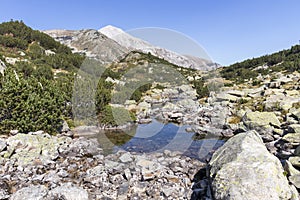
x=133, y=43
x=115, y=43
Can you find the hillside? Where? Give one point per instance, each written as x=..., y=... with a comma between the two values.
x=34, y=59
x=37, y=82
x=136, y=44
x=285, y=61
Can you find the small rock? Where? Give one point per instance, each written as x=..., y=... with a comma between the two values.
x=65, y=127
x=125, y=158
x=14, y=132
x=127, y=174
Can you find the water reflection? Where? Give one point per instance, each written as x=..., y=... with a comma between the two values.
x=157, y=137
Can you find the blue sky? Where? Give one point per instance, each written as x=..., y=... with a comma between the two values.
x=230, y=31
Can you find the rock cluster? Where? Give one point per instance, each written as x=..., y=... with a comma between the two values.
x=180, y=105
x=39, y=166
x=273, y=111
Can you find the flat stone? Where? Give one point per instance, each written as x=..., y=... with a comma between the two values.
x=30, y=147
x=295, y=180
x=145, y=163
x=110, y=164
x=260, y=119
x=237, y=93
x=292, y=137
x=226, y=97
x=148, y=174
x=295, y=161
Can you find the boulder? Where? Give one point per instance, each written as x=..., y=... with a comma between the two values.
x=227, y=97
x=290, y=169
x=292, y=137
x=295, y=161
x=296, y=114
x=244, y=169
x=294, y=128
x=273, y=84
x=29, y=147
x=38, y=192
x=144, y=106
x=257, y=119
x=297, y=151
x=69, y=192
x=126, y=157
x=295, y=180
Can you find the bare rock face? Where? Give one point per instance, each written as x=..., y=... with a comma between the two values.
x=110, y=44
x=91, y=42
x=134, y=43
x=244, y=169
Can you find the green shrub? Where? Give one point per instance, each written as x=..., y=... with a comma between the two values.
x=28, y=105
x=201, y=88
x=115, y=116
x=9, y=41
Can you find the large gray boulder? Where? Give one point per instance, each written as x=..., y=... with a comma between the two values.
x=38, y=192
x=68, y=192
x=257, y=119
x=26, y=148
x=244, y=169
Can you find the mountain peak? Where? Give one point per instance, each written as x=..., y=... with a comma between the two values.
x=111, y=31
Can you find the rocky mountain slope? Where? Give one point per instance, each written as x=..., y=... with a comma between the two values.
x=110, y=43
x=258, y=109
x=91, y=42
x=134, y=43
